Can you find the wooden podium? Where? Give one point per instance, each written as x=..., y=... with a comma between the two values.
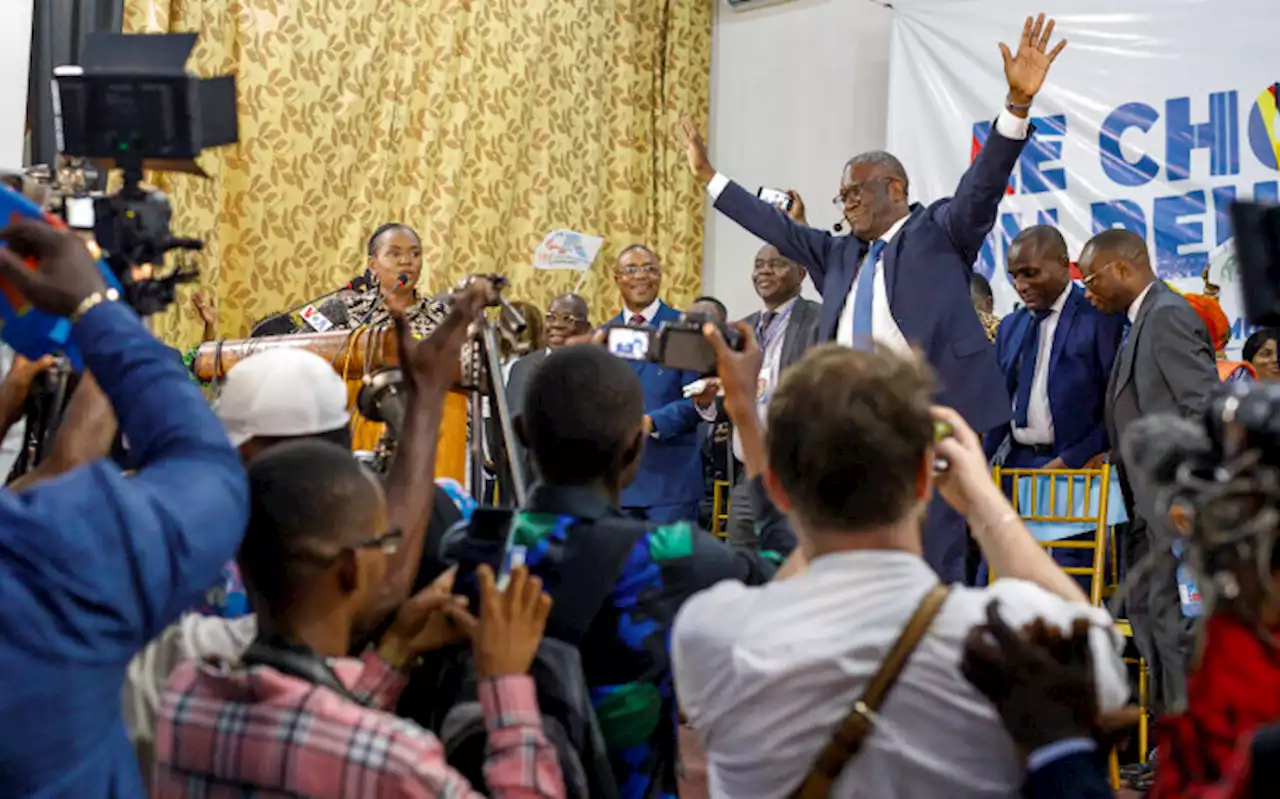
x=353, y=354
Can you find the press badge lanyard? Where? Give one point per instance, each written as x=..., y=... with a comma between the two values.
x=766, y=337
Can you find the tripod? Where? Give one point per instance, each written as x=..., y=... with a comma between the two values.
x=486, y=384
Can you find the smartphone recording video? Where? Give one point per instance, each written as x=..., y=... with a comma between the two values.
x=776, y=197
x=629, y=343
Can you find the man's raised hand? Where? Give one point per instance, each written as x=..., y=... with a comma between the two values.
x=696, y=149
x=431, y=365
x=1026, y=70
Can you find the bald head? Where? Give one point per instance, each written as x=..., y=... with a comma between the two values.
x=1116, y=268
x=567, y=316
x=1039, y=268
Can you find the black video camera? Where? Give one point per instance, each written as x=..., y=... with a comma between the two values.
x=132, y=105
x=675, y=345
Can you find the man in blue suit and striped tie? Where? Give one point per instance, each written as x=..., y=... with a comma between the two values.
x=902, y=279
x=669, y=483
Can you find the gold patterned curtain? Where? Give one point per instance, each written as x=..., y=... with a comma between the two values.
x=484, y=124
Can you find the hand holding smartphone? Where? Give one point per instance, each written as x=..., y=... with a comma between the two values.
x=776, y=197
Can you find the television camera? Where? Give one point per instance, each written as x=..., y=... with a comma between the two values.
x=129, y=105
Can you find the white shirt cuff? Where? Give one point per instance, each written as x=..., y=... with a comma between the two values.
x=716, y=186
x=1007, y=125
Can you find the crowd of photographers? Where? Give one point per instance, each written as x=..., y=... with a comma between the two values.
x=353, y=675
x=388, y=654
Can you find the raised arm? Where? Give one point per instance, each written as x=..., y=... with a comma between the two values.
x=795, y=240
x=119, y=557
x=429, y=367
x=971, y=213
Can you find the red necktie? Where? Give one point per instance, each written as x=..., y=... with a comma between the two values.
x=638, y=319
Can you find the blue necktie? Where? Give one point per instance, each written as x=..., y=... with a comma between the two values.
x=864, y=299
x=1124, y=336
x=1027, y=368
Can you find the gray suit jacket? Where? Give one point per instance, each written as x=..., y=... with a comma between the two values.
x=1167, y=365
x=802, y=329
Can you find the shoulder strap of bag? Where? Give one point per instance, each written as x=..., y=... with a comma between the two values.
x=847, y=740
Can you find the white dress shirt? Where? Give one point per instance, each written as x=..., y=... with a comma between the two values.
x=1136, y=305
x=765, y=674
x=770, y=365
x=884, y=328
x=1039, y=429
x=647, y=313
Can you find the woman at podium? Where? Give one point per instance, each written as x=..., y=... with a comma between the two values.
x=394, y=268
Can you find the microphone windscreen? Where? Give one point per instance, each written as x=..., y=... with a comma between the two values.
x=402, y=279
x=1155, y=446
x=335, y=310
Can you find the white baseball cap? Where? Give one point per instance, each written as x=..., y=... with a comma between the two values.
x=282, y=393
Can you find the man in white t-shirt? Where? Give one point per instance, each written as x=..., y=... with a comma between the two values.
x=765, y=674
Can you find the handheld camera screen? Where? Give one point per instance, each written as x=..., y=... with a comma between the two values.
x=629, y=343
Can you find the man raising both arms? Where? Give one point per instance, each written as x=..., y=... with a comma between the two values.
x=902, y=278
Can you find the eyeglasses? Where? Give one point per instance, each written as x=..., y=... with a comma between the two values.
x=651, y=270
x=777, y=266
x=857, y=190
x=563, y=318
x=388, y=542
x=1087, y=280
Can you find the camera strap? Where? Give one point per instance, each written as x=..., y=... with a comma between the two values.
x=295, y=660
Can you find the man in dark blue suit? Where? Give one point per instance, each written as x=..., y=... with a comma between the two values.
x=902, y=278
x=1056, y=353
x=668, y=486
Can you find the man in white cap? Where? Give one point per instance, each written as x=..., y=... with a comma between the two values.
x=271, y=397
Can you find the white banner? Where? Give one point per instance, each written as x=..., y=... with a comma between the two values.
x=1156, y=117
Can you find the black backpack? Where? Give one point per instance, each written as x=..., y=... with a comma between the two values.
x=442, y=695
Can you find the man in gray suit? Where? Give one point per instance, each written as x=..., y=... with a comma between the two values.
x=786, y=327
x=1166, y=365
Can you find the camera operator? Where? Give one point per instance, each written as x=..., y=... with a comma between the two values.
x=583, y=421
x=1218, y=483
x=97, y=563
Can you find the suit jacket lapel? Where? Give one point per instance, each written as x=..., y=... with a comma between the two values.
x=1125, y=363
x=892, y=251
x=1062, y=334
x=796, y=340
x=851, y=254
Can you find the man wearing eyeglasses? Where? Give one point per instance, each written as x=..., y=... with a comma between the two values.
x=902, y=279
x=567, y=317
x=1166, y=364
x=285, y=396
x=668, y=486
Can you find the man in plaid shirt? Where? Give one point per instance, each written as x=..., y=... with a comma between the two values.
x=296, y=718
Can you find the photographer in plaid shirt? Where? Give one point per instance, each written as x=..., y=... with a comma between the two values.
x=295, y=717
